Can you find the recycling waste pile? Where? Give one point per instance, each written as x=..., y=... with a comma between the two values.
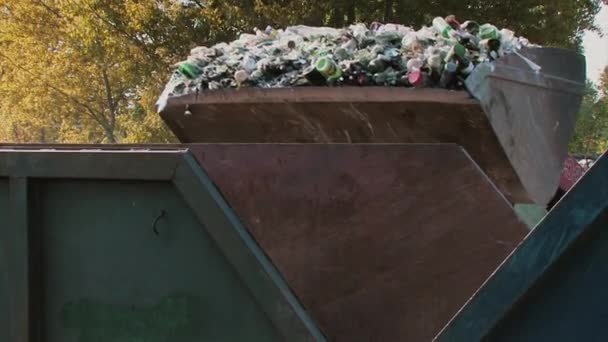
x=440, y=55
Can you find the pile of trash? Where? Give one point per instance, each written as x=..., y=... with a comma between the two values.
x=441, y=55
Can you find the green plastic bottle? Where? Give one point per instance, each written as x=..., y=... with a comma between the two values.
x=328, y=68
x=189, y=70
x=488, y=31
x=459, y=53
x=443, y=28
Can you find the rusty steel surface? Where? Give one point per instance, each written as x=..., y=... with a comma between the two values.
x=379, y=242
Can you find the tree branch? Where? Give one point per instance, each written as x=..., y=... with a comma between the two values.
x=100, y=119
x=111, y=103
x=198, y=3
x=50, y=9
x=115, y=27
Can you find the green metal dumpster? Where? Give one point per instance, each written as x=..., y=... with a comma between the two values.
x=553, y=287
x=132, y=246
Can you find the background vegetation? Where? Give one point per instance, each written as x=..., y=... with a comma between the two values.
x=90, y=70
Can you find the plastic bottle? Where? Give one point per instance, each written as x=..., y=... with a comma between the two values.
x=434, y=61
x=391, y=76
x=256, y=75
x=414, y=63
x=249, y=64
x=360, y=32
x=453, y=22
x=490, y=40
x=380, y=78
x=508, y=42
x=470, y=26
x=363, y=79
x=449, y=74
x=386, y=77
x=190, y=70
x=491, y=47
x=272, y=69
x=418, y=78
x=341, y=53
x=270, y=31
x=443, y=28
x=314, y=77
x=402, y=79
x=377, y=50
x=459, y=54
x=328, y=68
x=350, y=45
x=378, y=64
x=488, y=31
x=240, y=77
x=411, y=43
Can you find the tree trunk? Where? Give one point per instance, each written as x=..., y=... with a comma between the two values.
x=337, y=18
x=388, y=11
x=352, y=12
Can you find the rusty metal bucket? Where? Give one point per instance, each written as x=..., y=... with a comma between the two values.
x=517, y=131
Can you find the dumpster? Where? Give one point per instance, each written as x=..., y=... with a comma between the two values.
x=127, y=245
x=363, y=241
x=346, y=214
x=552, y=288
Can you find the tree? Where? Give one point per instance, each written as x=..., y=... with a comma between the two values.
x=91, y=70
x=591, y=132
x=85, y=70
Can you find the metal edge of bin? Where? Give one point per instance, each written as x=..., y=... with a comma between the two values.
x=177, y=165
x=533, y=113
x=569, y=221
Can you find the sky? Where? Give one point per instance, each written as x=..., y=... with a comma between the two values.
x=596, y=47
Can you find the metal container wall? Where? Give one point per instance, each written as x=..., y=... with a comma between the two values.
x=553, y=287
x=126, y=246
x=380, y=242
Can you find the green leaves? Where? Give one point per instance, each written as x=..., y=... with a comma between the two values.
x=591, y=134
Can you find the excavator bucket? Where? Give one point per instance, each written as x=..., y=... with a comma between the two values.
x=516, y=128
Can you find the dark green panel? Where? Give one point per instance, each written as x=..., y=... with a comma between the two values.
x=571, y=301
x=4, y=276
x=114, y=275
x=553, y=286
